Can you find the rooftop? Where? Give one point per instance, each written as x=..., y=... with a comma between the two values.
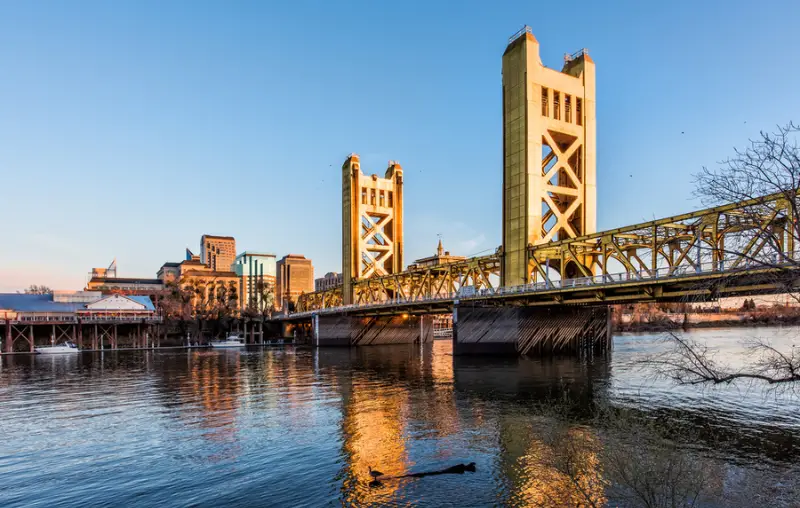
x=219, y=237
x=253, y=253
x=44, y=303
x=36, y=303
x=208, y=273
x=123, y=280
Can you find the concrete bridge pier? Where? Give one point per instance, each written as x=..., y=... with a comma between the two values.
x=538, y=331
x=343, y=330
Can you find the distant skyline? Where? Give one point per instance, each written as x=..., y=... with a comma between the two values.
x=130, y=129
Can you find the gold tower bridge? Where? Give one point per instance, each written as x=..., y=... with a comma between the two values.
x=549, y=286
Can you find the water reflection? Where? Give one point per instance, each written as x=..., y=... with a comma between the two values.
x=290, y=426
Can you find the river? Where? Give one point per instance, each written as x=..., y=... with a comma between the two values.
x=301, y=427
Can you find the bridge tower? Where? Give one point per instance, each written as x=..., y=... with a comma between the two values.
x=372, y=224
x=549, y=153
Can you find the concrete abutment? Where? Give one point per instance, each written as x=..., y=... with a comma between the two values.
x=543, y=331
x=348, y=331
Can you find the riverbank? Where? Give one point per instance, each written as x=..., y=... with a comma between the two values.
x=658, y=322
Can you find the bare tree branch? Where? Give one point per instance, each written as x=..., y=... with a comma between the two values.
x=690, y=363
x=764, y=233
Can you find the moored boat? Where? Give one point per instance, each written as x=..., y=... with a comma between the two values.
x=57, y=349
x=231, y=341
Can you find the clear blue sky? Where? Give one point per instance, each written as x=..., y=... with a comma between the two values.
x=129, y=129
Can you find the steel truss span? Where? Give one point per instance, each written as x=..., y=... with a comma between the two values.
x=683, y=256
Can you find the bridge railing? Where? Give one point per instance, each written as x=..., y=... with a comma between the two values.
x=674, y=272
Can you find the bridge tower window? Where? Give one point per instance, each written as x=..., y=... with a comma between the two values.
x=363, y=195
x=578, y=111
x=557, y=105
x=382, y=199
x=390, y=199
x=567, y=108
x=545, y=102
x=372, y=201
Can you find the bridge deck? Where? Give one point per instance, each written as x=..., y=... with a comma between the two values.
x=702, y=284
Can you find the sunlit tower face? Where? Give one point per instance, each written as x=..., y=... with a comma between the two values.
x=549, y=176
x=372, y=224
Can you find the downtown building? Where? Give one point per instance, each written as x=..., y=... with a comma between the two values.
x=295, y=275
x=329, y=281
x=218, y=252
x=257, y=277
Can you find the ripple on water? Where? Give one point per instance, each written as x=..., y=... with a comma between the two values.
x=292, y=427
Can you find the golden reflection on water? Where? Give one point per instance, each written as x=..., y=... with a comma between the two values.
x=213, y=380
x=441, y=359
x=374, y=423
x=565, y=472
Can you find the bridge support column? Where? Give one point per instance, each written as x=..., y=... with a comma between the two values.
x=540, y=331
x=370, y=331
x=9, y=341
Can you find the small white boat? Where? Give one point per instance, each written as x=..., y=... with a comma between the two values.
x=63, y=348
x=232, y=340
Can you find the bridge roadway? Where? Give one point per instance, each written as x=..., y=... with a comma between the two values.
x=685, y=283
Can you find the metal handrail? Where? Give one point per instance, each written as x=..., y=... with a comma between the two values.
x=522, y=31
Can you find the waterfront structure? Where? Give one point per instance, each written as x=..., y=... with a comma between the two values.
x=169, y=272
x=218, y=252
x=257, y=273
x=295, y=275
x=105, y=281
x=328, y=281
x=71, y=315
x=549, y=153
x=442, y=257
x=372, y=223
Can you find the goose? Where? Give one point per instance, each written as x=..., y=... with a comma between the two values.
x=373, y=473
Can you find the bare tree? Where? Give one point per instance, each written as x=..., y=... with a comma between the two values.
x=265, y=298
x=689, y=362
x=176, y=306
x=766, y=177
x=620, y=459
x=646, y=468
x=38, y=290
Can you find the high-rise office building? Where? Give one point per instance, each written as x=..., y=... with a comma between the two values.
x=295, y=275
x=218, y=252
x=256, y=272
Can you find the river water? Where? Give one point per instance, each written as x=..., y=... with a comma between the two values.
x=300, y=427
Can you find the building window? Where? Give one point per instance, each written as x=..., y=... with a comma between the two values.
x=390, y=199
x=567, y=108
x=372, y=202
x=363, y=195
x=382, y=199
x=545, y=102
x=557, y=105
x=578, y=111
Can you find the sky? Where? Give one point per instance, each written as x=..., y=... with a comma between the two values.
x=130, y=128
